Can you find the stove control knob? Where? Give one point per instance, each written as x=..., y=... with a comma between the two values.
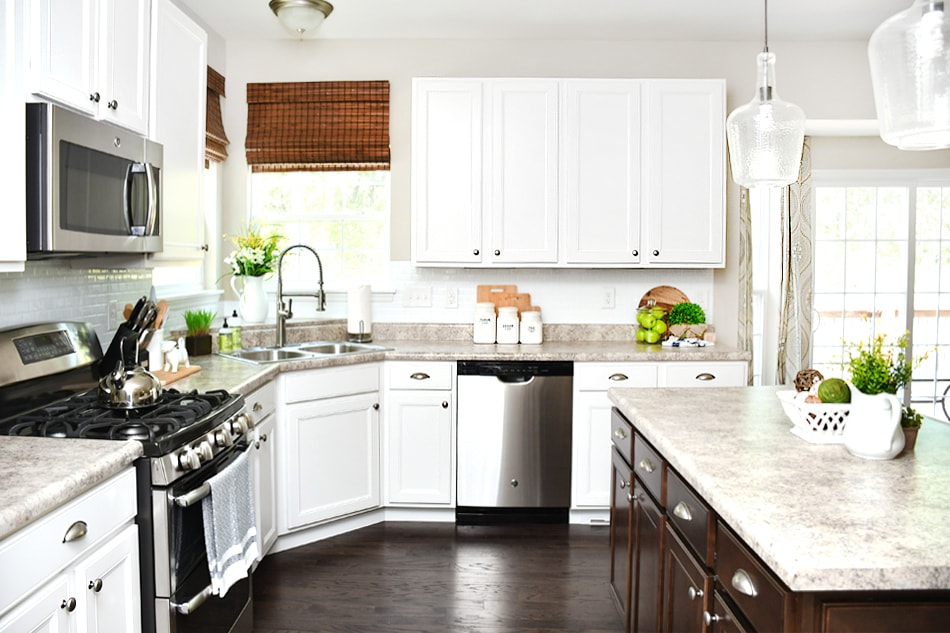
x=189, y=460
x=204, y=450
x=239, y=425
x=223, y=437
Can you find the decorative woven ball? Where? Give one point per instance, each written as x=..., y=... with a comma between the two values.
x=807, y=378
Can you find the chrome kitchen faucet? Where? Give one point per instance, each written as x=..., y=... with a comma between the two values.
x=287, y=313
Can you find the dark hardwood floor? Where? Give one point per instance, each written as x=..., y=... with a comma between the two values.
x=436, y=578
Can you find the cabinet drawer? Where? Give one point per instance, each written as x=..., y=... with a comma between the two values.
x=603, y=376
x=302, y=386
x=713, y=374
x=757, y=593
x=262, y=401
x=420, y=375
x=649, y=467
x=692, y=517
x=621, y=434
x=39, y=551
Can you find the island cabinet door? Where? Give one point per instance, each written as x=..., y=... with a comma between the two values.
x=722, y=619
x=621, y=531
x=880, y=616
x=648, y=563
x=685, y=588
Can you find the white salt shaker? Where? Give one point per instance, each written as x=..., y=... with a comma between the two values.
x=531, y=327
x=507, y=325
x=484, y=325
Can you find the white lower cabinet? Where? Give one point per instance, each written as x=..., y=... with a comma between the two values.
x=419, y=434
x=328, y=445
x=77, y=569
x=262, y=405
x=591, y=436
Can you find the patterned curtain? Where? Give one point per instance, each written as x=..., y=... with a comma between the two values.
x=797, y=287
x=745, y=273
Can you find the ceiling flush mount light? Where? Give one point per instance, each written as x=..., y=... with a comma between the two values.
x=301, y=17
x=909, y=55
x=766, y=134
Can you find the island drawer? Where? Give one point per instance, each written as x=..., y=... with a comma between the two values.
x=621, y=434
x=755, y=590
x=691, y=517
x=649, y=467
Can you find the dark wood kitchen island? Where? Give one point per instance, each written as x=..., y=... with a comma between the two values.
x=723, y=520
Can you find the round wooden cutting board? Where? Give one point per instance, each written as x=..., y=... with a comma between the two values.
x=665, y=297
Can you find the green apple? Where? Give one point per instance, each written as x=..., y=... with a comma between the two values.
x=658, y=313
x=648, y=321
x=641, y=335
x=652, y=336
x=659, y=327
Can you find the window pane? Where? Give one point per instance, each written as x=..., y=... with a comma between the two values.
x=861, y=213
x=830, y=212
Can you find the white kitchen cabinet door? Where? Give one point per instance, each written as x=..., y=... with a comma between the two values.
x=447, y=140
x=601, y=162
x=43, y=611
x=108, y=580
x=264, y=471
x=522, y=183
x=684, y=172
x=12, y=135
x=63, y=52
x=704, y=374
x=332, y=453
x=419, y=447
x=123, y=79
x=591, y=448
x=179, y=76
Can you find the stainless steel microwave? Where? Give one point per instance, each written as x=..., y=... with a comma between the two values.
x=91, y=187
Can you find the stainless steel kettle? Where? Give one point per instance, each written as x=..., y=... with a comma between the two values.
x=129, y=386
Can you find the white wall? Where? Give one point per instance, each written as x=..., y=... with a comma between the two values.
x=829, y=80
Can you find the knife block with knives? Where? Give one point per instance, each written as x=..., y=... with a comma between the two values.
x=132, y=336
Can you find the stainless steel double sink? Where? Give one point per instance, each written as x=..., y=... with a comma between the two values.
x=301, y=351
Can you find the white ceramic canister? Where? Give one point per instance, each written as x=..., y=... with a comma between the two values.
x=507, y=325
x=531, y=327
x=484, y=326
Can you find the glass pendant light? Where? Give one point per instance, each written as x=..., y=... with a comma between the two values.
x=301, y=18
x=909, y=56
x=766, y=134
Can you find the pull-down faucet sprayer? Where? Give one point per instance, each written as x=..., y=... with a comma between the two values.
x=284, y=313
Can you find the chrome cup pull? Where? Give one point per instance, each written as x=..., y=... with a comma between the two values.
x=75, y=532
x=646, y=465
x=419, y=376
x=705, y=376
x=681, y=510
x=742, y=583
x=618, y=377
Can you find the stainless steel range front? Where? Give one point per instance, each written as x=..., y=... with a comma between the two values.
x=49, y=376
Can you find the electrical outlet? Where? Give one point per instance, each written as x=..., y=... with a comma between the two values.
x=113, y=317
x=607, y=298
x=418, y=297
x=452, y=298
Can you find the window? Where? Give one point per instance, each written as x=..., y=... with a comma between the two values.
x=877, y=236
x=343, y=215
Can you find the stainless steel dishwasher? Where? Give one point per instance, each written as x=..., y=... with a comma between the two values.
x=514, y=441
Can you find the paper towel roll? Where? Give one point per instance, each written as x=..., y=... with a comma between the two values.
x=359, y=323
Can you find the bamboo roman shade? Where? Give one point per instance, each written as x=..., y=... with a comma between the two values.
x=318, y=126
x=216, y=141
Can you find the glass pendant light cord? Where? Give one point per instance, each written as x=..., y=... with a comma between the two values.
x=766, y=49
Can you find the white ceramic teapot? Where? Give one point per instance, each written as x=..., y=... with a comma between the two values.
x=874, y=429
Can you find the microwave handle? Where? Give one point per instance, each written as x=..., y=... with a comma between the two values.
x=151, y=180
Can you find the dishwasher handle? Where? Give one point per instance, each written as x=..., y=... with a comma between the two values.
x=515, y=379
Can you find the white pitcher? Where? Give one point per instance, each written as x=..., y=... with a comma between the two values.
x=252, y=298
x=874, y=429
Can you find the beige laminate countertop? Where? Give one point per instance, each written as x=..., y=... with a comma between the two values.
x=820, y=518
x=38, y=475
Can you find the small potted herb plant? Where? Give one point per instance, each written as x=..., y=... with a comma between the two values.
x=687, y=320
x=198, y=324
x=877, y=367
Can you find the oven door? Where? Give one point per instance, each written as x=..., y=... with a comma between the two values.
x=188, y=604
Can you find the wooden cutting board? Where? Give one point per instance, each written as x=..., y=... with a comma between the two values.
x=665, y=296
x=166, y=377
x=486, y=293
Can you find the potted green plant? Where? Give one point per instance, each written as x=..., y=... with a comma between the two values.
x=198, y=338
x=878, y=367
x=687, y=320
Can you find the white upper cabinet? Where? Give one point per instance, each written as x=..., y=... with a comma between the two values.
x=600, y=151
x=568, y=172
x=92, y=55
x=179, y=80
x=522, y=189
x=12, y=139
x=684, y=160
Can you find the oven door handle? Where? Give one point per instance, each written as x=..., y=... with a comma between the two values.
x=193, y=497
x=190, y=606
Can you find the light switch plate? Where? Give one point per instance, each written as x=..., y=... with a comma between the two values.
x=418, y=297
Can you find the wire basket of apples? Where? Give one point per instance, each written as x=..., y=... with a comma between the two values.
x=652, y=323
